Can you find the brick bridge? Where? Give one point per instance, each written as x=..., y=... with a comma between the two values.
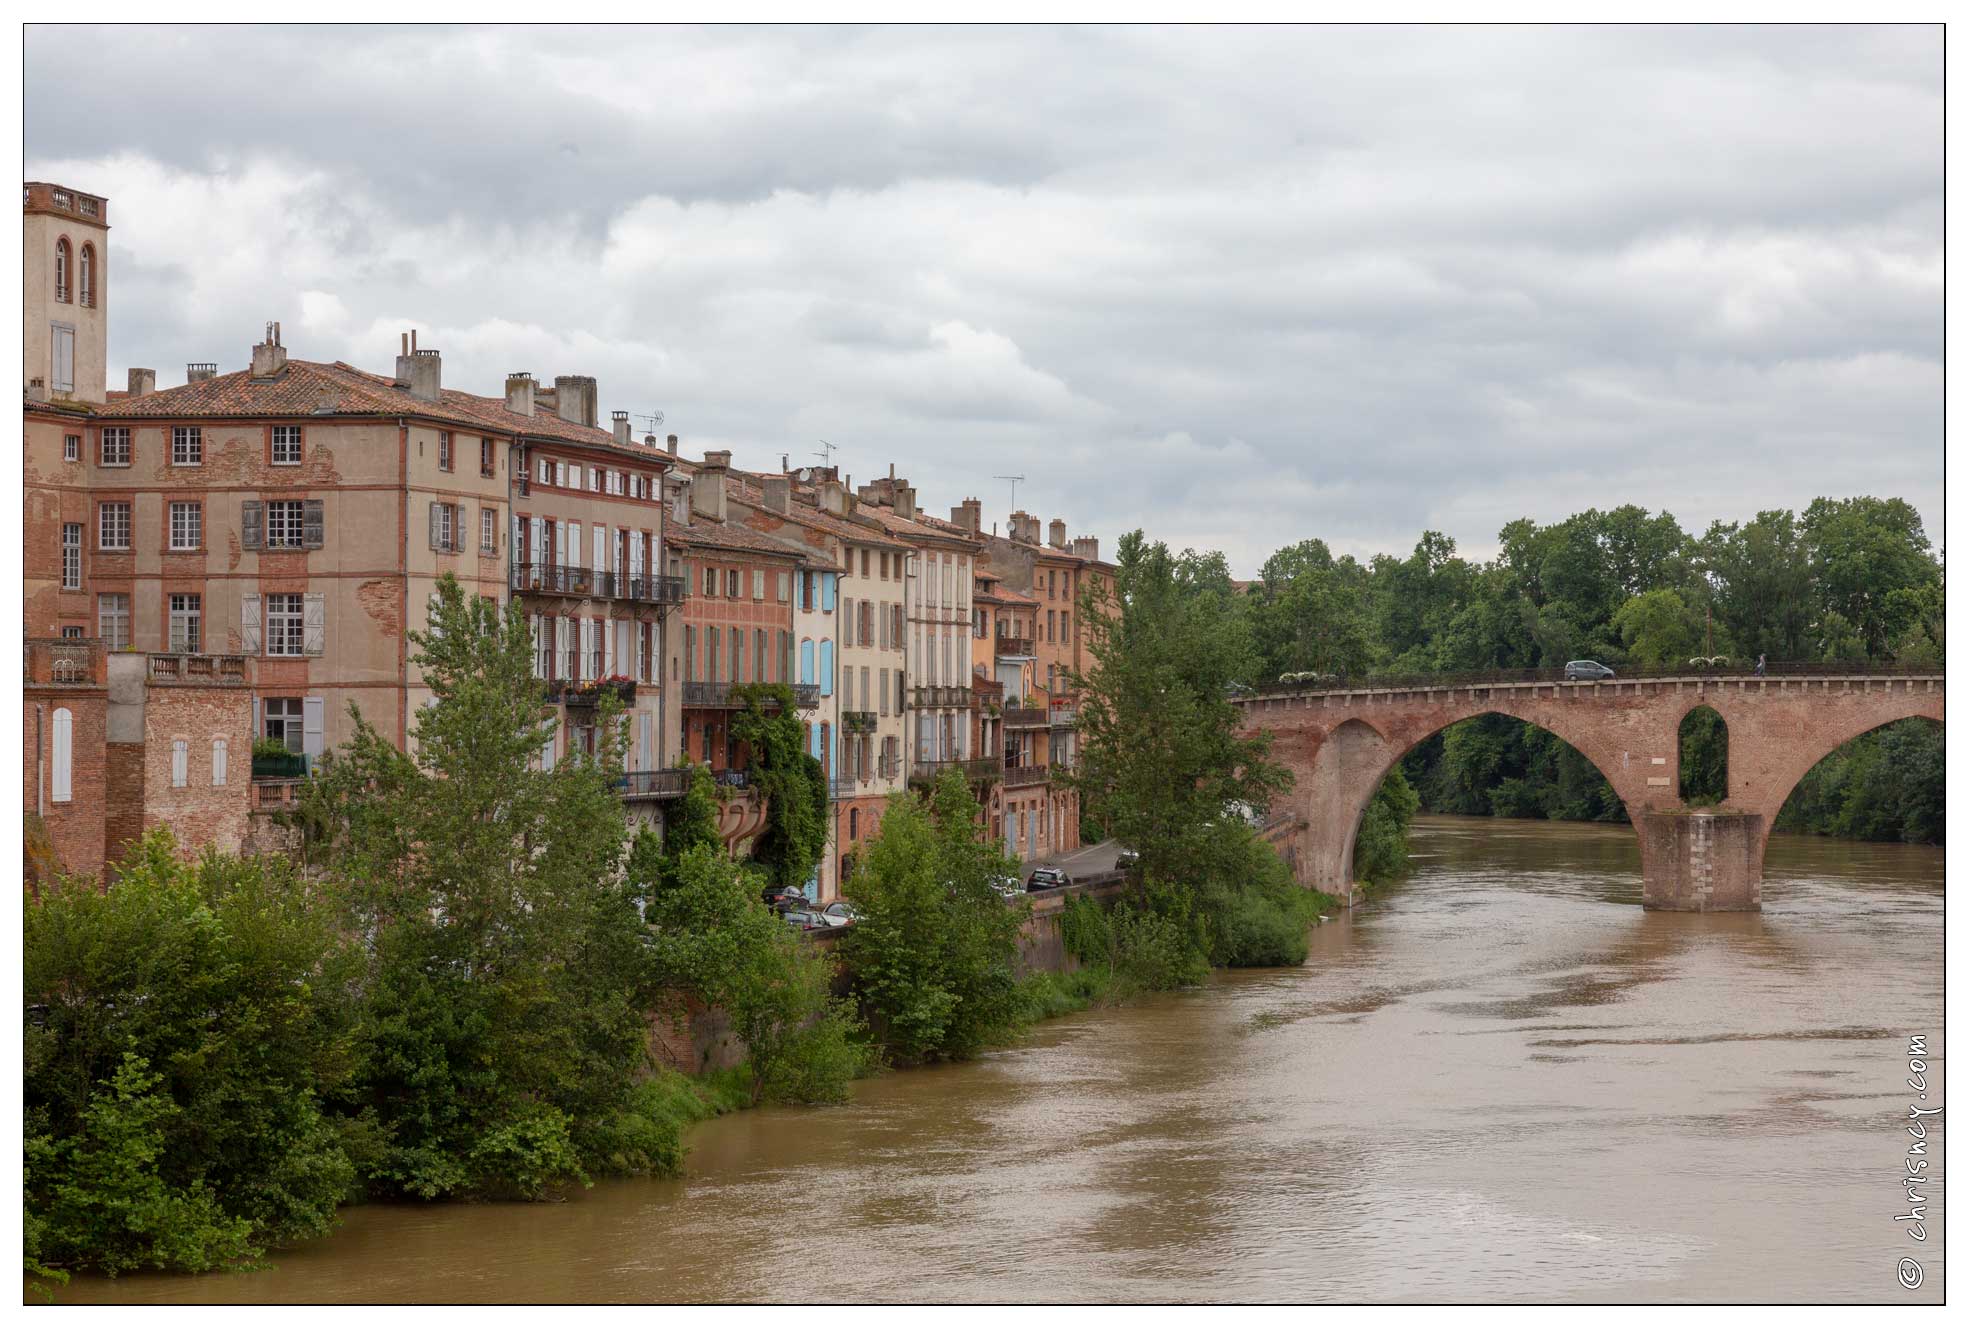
x=1340, y=740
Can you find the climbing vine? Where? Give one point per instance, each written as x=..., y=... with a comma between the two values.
x=792, y=783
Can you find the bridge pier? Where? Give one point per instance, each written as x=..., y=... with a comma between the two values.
x=1702, y=861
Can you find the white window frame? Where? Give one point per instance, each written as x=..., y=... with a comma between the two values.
x=186, y=520
x=286, y=439
x=104, y=512
x=113, y=446
x=71, y=447
x=488, y=530
x=71, y=556
x=192, y=616
x=299, y=509
x=286, y=615
x=187, y=445
x=118, y=603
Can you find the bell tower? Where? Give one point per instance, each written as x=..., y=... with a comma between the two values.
x=65, y=293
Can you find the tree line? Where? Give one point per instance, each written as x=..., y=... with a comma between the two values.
x=1847, y=580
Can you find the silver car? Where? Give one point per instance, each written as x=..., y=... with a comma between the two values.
x=1586, y=670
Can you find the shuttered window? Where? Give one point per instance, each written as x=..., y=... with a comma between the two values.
x=62, y=756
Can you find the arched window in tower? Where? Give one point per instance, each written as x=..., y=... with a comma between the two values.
x=85, y=277
x=61, y=270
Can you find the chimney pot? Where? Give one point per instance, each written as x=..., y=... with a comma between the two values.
x=708, y=487
x=1056, y=534
x=200, y=372
x=269, y=357
x=143, y=382
x=620, y=420
x=574, y=398
x=673, y=445
x=422, y=372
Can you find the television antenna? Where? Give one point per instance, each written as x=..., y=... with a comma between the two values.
x=1015, y=479
x=655, y=421
x=826, y=453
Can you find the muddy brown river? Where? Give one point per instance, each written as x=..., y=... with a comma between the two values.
x=1502, y=1081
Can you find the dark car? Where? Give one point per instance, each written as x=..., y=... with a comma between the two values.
x=1045, y=879
x=805, y=919
x=785, y=897
x=1589, y=670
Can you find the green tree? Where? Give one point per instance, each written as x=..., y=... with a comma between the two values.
x=1163, y=764
x=1761, y=579
x=1658, y=629
x=932, y=957
x=1862, y=552
x=508, y=967
x=1309, y=613
x=190, y=1026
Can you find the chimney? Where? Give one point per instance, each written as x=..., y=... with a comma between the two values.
x=832, y=496
x=1087, y=547
x=419, y=371
x=620, y=419
x=708, y=486
x=198, y=373
x=574, y=398
x=778, y=492
x=1056, y=534
x=143, y=382
x=519, y=393
x=906, y=502
x=269, y=357
x=673, y=445
x=1018, y=528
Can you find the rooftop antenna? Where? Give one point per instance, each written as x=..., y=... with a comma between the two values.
x=1015, y=487
x=826, y=453
x=654, y=419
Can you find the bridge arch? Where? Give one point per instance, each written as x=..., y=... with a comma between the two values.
x=1706, y=779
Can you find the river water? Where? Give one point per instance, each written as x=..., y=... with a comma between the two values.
x=1502, y=1081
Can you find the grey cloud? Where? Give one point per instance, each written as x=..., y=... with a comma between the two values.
x=1239, y=286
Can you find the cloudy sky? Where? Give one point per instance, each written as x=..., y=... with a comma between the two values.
x=1236, y=286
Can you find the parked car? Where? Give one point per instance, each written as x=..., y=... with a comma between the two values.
x=804, y=919
x=785, y=897
x=839, y=913
x=1045, y=879
x=1586, y=669
x=1126, y=860
x=1008, y=887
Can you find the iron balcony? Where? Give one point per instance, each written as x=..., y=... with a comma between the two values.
x=858, y=722
x=976, y=769
x=707, y=696
x=1014, y=646
x=596, y=584
x=1025, y=717
x=653, y=784
x=925, y=697
x=1019, y=776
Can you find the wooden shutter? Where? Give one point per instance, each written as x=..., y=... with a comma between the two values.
x=180, y=753
x=63, y=755
x=311, y=524
x=314, y=622
x=252, y=525
x=218, y=762
x=250, y=621
x=313, y=710
x=436, y=530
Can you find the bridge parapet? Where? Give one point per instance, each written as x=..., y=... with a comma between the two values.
x=1927, y=678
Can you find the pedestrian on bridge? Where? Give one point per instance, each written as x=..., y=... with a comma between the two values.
x=1760, y=666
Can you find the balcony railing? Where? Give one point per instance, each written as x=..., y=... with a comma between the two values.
x=858, y=722
x=275, y=795
x=654, y=784
x=732, y=779
x=1025, y=717
x=806, y=696
x=1064, y=716
x=177, y=667
x=929, y=698
x=596, y=583
x=1014, y=646
x=589, y=691
x=842, y=787
x=286, y=766
x=63, y=662
x=1019, y=776
x=976, y=769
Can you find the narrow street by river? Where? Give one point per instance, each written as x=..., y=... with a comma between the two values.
x=1502, y=1081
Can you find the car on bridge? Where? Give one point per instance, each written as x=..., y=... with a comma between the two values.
x=1587, y=670
x=1046, y=879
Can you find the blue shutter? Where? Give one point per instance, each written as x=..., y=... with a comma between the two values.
x=827, y=590
x=826, y=667
x=813, y=740
x=831, y=772
x=807, y=660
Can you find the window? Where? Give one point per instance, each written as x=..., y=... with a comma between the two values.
x=759, y=654
x=286, y=445
x=185, y=616
x=71, y=447
x=61, y=271
x=444, y=527
x=113, y=526
x=187, y=525
x=711, y=581
x=61, y=352
x=284, y=625
x=86, y=276
x=864, y=562
x=280, y=719
x=444, y=449
x=218, y=762
x=488, y=530
x=758, y=584
x=785, y=586
x=180, y=763
x=546, y=471
x=885, y=567
x=114, y=447
x=187, y=446
x=72, y=556
x=732, y=583
x=113, y=621
x=63, y=756
x=285, y=518
x=71, y=634
x=487, y=466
